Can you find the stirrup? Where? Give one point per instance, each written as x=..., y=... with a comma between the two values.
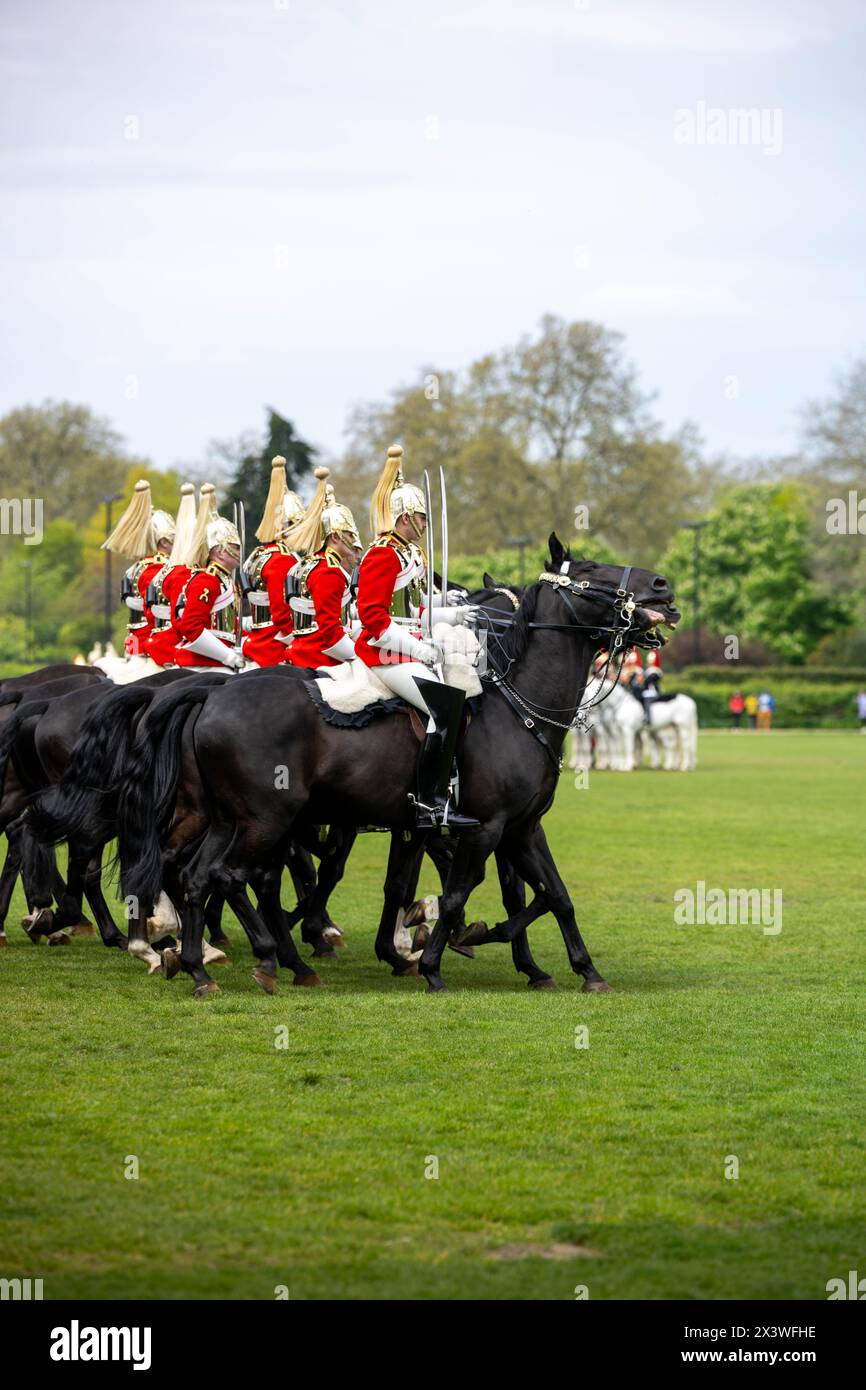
x=440, y=816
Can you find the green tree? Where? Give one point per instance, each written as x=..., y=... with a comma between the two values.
x=62, y=454
x=529, y=434
x=250, y=461
x=755, y=571
x=50, y=570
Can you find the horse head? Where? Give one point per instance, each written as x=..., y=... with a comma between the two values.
x=650, y=593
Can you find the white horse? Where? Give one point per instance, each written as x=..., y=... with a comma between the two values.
x=619, y=728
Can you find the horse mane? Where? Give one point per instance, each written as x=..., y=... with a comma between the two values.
x=505, y=646
x=508, y=646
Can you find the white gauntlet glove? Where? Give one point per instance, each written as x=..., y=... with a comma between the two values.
x=208, y=644
x=457, y=613
x=430, y=653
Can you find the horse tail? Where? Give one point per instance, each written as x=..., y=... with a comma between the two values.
x=38, y=867
x=693, y=737
x=82, y=802
x=12, y=728
x=149, y=790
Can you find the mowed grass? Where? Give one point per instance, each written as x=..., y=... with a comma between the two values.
x=558, y=1166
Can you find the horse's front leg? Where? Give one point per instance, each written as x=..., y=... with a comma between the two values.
x=474, y=847
x=533, y=859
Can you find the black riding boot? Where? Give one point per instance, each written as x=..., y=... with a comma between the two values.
x=436, y=765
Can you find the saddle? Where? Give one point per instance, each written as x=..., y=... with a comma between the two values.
x=351, y=694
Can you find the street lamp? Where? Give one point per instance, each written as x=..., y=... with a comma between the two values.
x=696, y=527
x=109, y=602
x=27, y=566
x=520, y=542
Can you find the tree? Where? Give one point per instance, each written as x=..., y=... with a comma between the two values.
x=53, y=568
x=63, y=455
x=529, y=434
x=834, y=430
x=755, y=575
x=250, y=460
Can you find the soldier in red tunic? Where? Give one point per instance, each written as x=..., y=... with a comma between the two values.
x=266, y=570
x=205, y=608
x=168, y=581
x=320, y=584
x=390, y=600
x=144, y=535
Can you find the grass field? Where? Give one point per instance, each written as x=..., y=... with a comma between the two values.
x=558, y=1166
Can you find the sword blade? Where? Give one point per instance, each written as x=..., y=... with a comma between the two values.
x=443, y=501
x=428, y=615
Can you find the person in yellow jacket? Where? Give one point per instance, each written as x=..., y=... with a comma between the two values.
x=752, y=710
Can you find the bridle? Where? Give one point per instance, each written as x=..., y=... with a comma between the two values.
x=622, y=630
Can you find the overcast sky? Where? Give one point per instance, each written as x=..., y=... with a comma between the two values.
x=323, y=197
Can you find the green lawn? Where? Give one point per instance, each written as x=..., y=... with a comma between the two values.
x=601, y=1166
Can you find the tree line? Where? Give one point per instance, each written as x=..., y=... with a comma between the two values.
x=552, y=433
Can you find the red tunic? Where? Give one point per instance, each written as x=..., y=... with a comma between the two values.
x=263, y=646
x=162, y=642
x=202, y=592
x=379, y=572
x=326, y=583
x=139, y=631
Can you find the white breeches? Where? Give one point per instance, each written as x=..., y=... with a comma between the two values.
x=400, y=678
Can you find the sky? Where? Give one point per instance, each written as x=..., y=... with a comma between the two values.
x=210, y=207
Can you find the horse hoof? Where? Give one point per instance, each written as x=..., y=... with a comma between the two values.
x=39, y=923
x=211, y=956
x=170, y=964
x=264, y=979
x=457, y=945
x=596, y=987
x=206, y=990
x=60, y=938
x=3, y=941
x=407, y=971
x=436, y=989
x=415, y=915
x=83, y=928
x=421, y=937
x=221, y=943
x=473, y=935
x=308, y=981
x=547, y=982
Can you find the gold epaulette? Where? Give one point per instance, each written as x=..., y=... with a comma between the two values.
x=332, y=559
x=391, y=538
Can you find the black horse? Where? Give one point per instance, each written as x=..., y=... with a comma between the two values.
x=509, y=768
x=22, y=700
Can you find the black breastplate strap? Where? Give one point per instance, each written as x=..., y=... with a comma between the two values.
x=527, y=722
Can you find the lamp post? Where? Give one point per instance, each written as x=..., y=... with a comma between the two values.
x=696, y=527
x=520, y=543
x=27, y=566
x=115, y=497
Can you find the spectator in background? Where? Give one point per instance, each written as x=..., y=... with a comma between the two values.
x=736, y=705
x=751, y=706
x=861, y=709
x=766, y=705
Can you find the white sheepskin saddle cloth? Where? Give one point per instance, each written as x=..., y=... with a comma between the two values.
x=352, y=686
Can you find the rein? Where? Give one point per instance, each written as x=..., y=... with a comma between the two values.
x=623, y=604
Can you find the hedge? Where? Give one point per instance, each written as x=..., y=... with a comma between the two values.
x=733, y=676
x=800, y=703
